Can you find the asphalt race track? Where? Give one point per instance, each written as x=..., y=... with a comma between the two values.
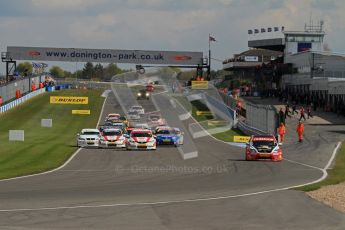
x=117, y=189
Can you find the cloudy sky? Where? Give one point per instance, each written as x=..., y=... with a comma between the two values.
x=160, y=24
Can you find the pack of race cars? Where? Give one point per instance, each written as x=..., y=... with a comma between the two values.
x=118, y=131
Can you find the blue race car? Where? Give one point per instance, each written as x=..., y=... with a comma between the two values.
x=169, y=136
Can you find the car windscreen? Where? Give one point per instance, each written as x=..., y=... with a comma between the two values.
x=90, y=133
x=154, y=118
x=141, y=134
x=112, y=133
x=133, y=113
x=137, y=107
x=165, y=131
x=262, y=144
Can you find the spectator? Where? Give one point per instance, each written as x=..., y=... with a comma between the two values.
x=309, y=112
x=302, y=114
x=281, y=116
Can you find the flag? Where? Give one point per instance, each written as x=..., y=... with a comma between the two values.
x=212, y=39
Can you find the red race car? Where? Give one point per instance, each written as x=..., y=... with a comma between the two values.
x=150, y=87
x=263, y=147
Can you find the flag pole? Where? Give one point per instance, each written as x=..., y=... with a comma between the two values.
x=209, y=57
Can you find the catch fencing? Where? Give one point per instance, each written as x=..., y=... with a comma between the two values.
x=258, y=120
x=16, y=102
x=8, y=91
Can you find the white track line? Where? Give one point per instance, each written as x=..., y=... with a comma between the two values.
x=324, y=170
x=62, y=166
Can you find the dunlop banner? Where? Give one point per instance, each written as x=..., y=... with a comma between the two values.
x=83, y=112
x=69, y=100
x=241, y=139
x=199, y=84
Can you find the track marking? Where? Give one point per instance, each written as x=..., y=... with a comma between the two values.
x=62, y=166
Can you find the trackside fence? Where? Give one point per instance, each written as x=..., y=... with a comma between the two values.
x=19, y=101
x=8, y=91
x=259, y=119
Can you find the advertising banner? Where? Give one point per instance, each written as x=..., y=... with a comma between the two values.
x=82, y=112
x=251, y=58
x=303, y=46
x=69, y=100
x=241, y=139
x=105, y=55
x=199, y=84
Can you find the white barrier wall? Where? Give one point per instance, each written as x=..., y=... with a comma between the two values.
x=16, y=102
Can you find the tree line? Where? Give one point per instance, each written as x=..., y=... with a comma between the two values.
x=89, y=71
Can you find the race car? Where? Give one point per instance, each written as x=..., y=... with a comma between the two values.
x=137, y=108
x=119, y=125
x=111, y=137
x=263, y=147
x=141, y=139
x=115, y=117
x=155, y=120
x=143, y=94
x=112, y=116
x=133, y=115
x=88, y=137
x=150, y=87
x=169, y=135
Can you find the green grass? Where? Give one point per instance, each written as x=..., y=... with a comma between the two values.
x=335, y=175
x=44, y=148
x=199, y=106
x=228, y=136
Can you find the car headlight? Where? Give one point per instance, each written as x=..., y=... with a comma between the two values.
x=139, y=94
x=253, y=151
x=275, y=150
x=147, y=94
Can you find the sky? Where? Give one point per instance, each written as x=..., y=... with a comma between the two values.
x=182, y=25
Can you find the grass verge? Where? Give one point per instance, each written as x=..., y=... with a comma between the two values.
x=335, y=175
x=44, y=148
x=227, y=136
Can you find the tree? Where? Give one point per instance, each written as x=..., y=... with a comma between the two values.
x=24, y=68
x=99, y=71
x=88, y=71
x=56, y=71
x=111, y=70
x=68, y=74
x=78, y=74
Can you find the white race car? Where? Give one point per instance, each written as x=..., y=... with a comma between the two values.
x=111, y=137
x=133, y=115
x=88, y=137
x=155, y=120
x=137, y=108
x=141, y=139
x=112, y=116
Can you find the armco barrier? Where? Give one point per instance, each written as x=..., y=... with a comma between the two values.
x=14, y=103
